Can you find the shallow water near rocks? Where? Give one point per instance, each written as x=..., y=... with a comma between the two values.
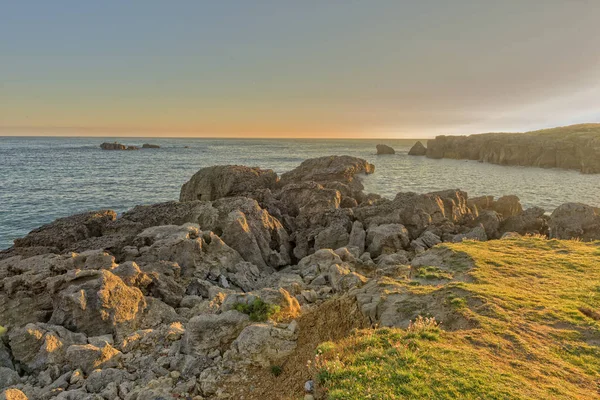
x=42, y=179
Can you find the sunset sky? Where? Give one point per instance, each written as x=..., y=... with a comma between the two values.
x=297, y=68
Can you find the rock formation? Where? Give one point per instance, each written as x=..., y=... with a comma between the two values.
x=150, y=146
x=117, y=146
x=417, y=150
x=384, y=149
x=179, y=298
x=574, y=147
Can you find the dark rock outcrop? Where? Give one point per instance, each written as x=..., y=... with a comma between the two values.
x=150, y=146
x=417, y=150
x=117, y=146
x=575, y=221
x=573, y=147
x=383, y=149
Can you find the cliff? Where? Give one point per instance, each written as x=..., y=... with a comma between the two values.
x=570, y=147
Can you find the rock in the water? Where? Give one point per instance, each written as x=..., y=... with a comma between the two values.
x=384, y=149
x=150, y=146
x=417, y=150
x=575, y=221
x=213, y=183
x=117, y=146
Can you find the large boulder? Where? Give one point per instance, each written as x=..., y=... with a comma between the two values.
x=64, y=232
x=212, y=183
x=259, y=237
x=88, y=357
x=387, y=239
x=38, y=346
x=533, y=221
x=24, y=293
x=575, y=221
x=343, y=169
x=97, y=302
x=383, y=149
x=208, y=332
x=417, y=150
x=262, y=345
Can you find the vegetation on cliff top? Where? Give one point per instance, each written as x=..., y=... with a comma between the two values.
x=535, y=305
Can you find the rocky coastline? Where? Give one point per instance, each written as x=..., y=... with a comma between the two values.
x=572, y=147
x=190, y=298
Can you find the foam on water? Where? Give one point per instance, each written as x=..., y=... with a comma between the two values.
x=42, y=179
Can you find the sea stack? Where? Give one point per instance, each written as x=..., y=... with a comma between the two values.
x=417, y=150
x=383, y=149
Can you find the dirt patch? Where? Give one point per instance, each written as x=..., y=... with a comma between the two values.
x=330, y=321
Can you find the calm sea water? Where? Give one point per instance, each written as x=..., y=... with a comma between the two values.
x=42, y=179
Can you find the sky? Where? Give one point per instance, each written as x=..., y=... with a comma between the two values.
x=311, y=68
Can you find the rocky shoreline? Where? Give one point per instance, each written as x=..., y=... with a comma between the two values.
x=573, y=147
x=186, y=299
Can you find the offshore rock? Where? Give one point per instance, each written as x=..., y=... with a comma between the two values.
x=383, y=149
x=417, y=150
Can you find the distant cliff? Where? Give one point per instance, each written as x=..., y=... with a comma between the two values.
x=570, y=147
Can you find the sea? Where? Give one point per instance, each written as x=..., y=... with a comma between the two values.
x=44, y=178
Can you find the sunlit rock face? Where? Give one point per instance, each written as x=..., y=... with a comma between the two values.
x=554, y=148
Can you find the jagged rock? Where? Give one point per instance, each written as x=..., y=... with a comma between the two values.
x=384, y=149
x=358, y=236
x=575, y=220
x=309, y=197
x=262, y=345
x=212, y=183
x=12, y=394
x=8, y=377
x=477, y=233
x=97, y=302
x=343, y=169
x=533, y=220
x=417, y=212
x=417, y=150
x=508, y=206
x=426, y=241
x=259, y=237
x=88, y=357
x=387, y=239
x=490, y=220
x=24, y=293
x=212, y=331
x=64, y=232
x=37, y=346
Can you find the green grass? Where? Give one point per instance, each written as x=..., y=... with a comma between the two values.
x=537, y=336
x=258, y=310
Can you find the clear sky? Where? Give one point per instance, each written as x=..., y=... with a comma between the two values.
x=310, y=68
